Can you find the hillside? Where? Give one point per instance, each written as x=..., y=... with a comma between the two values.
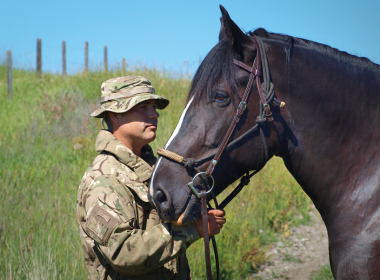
x=46, y=144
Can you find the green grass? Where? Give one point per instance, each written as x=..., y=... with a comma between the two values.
x=40, y=172
x=324, y=273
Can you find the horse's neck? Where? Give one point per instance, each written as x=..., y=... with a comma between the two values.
x=333, y=116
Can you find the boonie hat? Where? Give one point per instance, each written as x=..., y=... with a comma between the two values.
x=121, y=94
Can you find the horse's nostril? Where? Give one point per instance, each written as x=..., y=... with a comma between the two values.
x=160, y=197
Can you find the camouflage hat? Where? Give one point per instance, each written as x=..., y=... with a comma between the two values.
x=121, y=94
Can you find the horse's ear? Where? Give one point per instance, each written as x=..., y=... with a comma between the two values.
x=231, y=31
x=222, y=34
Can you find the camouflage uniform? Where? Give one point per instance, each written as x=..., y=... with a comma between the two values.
x=121, y=234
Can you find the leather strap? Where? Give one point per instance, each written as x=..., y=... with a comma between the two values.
x=242, y=106
x=246, y=67
x=205, y=234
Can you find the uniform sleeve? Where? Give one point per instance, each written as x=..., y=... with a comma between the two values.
x=110, y=222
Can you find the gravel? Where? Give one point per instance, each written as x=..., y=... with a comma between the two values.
x=299, y=254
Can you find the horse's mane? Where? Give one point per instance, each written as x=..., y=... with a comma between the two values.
x=218, y=64
x=333, y=52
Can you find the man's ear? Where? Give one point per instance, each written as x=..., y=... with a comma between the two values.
x=232, y=32
x=114, y=118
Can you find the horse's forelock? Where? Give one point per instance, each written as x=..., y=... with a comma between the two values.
x=217, y=65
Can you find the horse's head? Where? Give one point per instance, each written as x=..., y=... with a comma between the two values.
x=215, y=94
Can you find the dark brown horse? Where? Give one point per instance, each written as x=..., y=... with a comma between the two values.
x=329, y=135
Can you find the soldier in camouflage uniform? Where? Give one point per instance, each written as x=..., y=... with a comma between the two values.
x=121, y=234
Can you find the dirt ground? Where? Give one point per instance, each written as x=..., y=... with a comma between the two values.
x=297, y=255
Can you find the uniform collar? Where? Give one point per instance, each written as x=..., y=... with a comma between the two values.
x=107, y=142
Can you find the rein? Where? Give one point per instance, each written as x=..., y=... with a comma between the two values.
x=266, y=93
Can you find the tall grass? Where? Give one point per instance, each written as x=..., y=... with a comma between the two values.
x=323, y=273
x=40, y=171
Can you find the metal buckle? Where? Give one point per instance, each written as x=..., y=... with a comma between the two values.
x=191, y=185
x=242, y=103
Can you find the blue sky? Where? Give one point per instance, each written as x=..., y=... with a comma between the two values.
x=166, y=34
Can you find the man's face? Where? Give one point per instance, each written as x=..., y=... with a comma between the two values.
x=139, y=124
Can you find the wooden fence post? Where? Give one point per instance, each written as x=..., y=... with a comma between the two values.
x=63, y=58
x=105, y=59
x=9, y=73
x=39, y=58
x=123, y=64
x=85, y=57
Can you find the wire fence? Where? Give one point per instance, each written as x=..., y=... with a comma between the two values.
x=64, y=72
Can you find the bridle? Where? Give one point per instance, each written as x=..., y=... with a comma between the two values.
x=266, y=93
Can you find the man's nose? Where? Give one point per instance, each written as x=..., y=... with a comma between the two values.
x=154, y=114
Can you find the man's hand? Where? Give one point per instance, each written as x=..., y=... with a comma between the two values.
x=215, y=222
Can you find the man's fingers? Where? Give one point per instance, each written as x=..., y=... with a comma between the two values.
x=216, y=224
x=220, y=220
x=214, y=232
x=217, y=212
x=217, y=220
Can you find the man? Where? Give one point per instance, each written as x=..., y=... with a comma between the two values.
x=121, y=234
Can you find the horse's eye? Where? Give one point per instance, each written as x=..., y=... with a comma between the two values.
x=220, y=97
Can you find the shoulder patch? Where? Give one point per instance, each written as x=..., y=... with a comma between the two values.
x=100, y=225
